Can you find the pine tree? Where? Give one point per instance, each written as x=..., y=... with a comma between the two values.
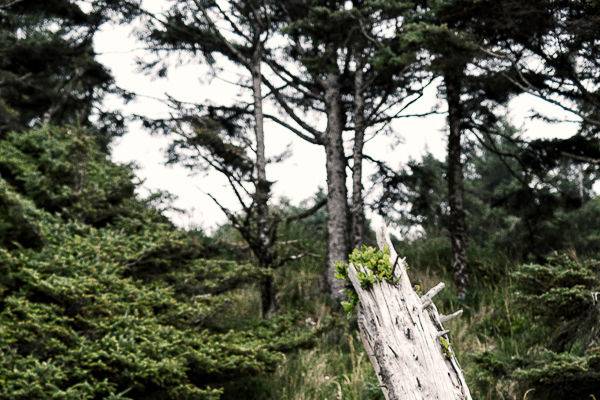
x=347, y=75
x=48, y=70
x=218, y=137
x=458, y=44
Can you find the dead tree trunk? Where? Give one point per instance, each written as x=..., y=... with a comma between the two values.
x=404, y=338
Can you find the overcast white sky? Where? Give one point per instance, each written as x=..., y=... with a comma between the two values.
x=297, y=178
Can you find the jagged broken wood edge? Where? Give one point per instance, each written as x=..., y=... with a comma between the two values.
x=401, y=332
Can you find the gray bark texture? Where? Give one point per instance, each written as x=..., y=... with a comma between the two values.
x=405, y=340
x=262, y=185
x=457, y=224
x=337, y=193
x=264, y=250
x=357, y=210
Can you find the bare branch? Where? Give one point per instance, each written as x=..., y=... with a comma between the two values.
x=298, y=132
x=290, y=111
x=306, y=213
x=10, y=4
x=450, y=317
x=427, y=298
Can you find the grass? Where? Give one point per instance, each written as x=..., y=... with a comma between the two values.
x=337, y=366
x=328, y=371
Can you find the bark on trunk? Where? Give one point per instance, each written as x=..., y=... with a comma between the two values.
x=454, y=174
x=267, y=297
x=262, y=185
x=337, y=194
x=405, y=339
x=262, y=189
x=358, y=212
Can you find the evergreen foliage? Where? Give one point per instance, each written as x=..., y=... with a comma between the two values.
x=515, y=211
x=123, y=309
x=48, y=69
x=557, y=304
x=63, y=170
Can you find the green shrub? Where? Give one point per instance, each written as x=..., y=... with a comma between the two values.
x=64, y=170
x=122, y=310
x=555, y=353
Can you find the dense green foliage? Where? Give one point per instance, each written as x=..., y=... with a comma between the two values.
x=101, y=297
x=48, y=68
x=64, y=171
x=556, y=318
x=513, y=214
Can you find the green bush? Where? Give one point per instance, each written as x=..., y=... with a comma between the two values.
x=551, y=349
x=121, y=310
x=64, y=170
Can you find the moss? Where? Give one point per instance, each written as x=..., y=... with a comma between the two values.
x=445, y=343
x=351, y=301
x=372, y=266
x=418, y=289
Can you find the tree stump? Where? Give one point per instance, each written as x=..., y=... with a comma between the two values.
x=405, y=340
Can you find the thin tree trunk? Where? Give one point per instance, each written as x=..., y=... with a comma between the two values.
x=262, y=189
x=358, y=212
x=404, y=337
x=455, y=178
x=262, y=185
x=337, y=194
x=267, y=296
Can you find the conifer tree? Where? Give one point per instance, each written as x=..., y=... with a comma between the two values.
x=219, y=137
x=48, y=70
x=387, y=79
x=433, y=29
x=457, y=47
x=346, y=75
x=314, y=40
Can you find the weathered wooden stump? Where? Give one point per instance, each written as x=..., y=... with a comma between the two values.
x=405, y=340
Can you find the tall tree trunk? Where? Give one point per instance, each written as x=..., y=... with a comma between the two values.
x=358, y=209
x=262, y=188
x=455, y=178
x=337, y=194
x=262, y=185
